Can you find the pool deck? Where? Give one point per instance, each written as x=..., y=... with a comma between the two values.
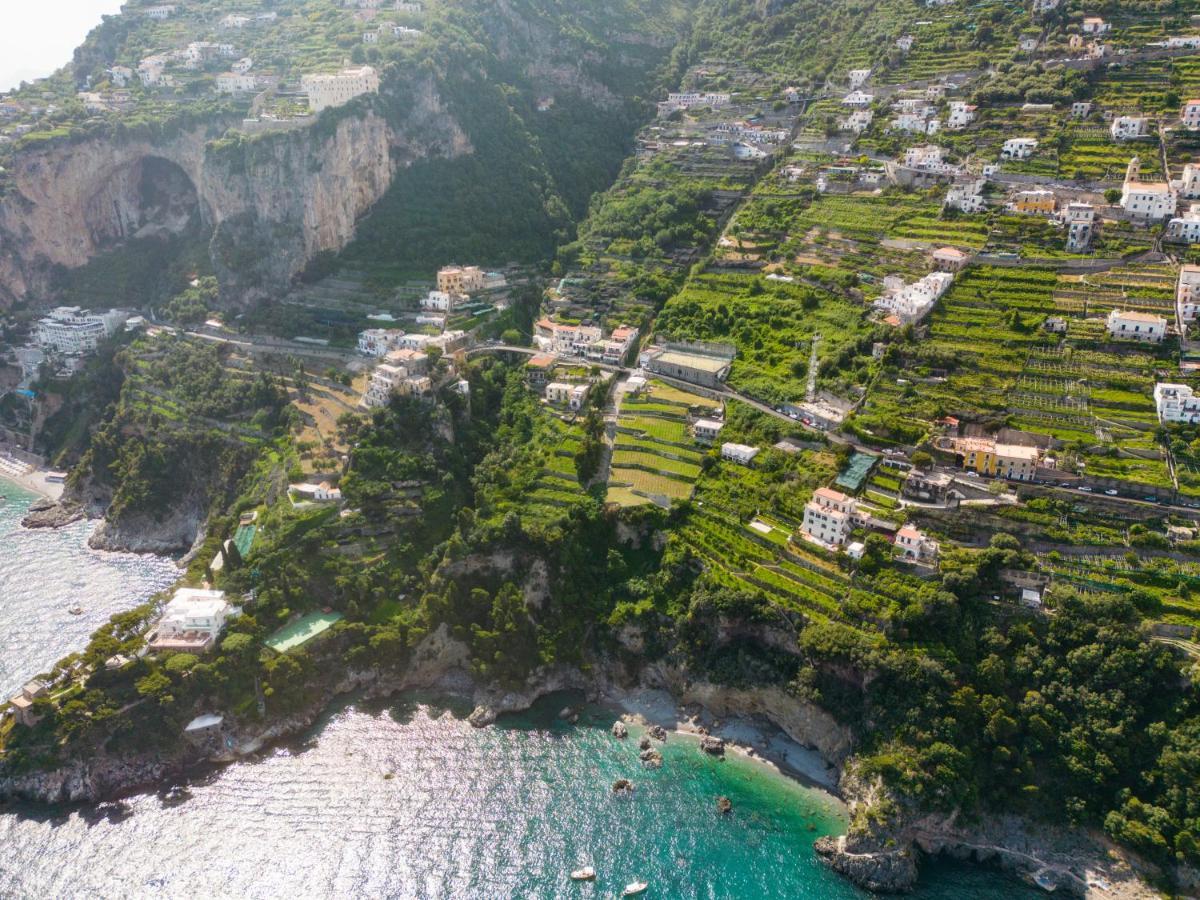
x=303, y=630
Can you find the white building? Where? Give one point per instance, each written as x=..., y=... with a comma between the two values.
x=961, y=115
x=120, y=75
x=1148, y=201
x=743, y=454
x=830, y=516
x=950, y=259
x=1188, y=185
x=572, y=396
x=1080, y=222
x=1187, y=294
x=858, y=98
x=440, y=301
x=404, y=33
x=927, y=156
x=164, y=11
x=857, y=78
x=235, y=20
x=912, y=543
x=688, y=100
x=1176, y=403
x=910, y=123
x=967, y=197
x=242, y=66
x=858, y=121
x=1136, y=326
x=192, y=620
x=1183, y=42
x=1185, y=228
x=1044, y=6
x=1018, y=148
x=72, y=331
x=910, y=303
x=325, y=91
x=151, y=70
x=706, y=430
x=316, y=493
x=905, y=42
x=1081, y=109
x=572, y=340
x=1128, y=128
x=377, y=341
x=1189, y=115
x=1094, y=25
x=238, y=83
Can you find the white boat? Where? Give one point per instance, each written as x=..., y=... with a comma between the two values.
x=634, y=888
x=587, y=873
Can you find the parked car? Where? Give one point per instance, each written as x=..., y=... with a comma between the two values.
x=1111, y=492
x=1086, y=489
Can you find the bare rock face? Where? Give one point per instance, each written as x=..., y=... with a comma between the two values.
x=887, y=871
x=271, y=203
x=46, y=513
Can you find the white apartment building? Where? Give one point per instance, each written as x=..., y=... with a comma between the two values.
x=830, y=516
x=1148, y=201
x=1188, y=185
x=404, y=33
x=1187, y=294
x=1189, y=115
x=325, y=91
x=191, y=620
x=1136, y=326
x=377, y=341
x=151, y=70
x=858, y=98
x=1186, y=228
x=910, y=123
x=857, y=78
x=568, y=339
x=1128, y=128
x=1183, y=41
x=1176, y=403
x=72, y=331
x=926, y=156
x=572, y=396
x=1081, y=109
x=1018, y=148
x=743, y=454
x=1080, y=222
x=235, y=20
x=687, y=100
x=164, y=11
x=238, y=83
x=440, y=301
x=967, y=197
x=961, y=115
x=910, y=303
x=858, y=121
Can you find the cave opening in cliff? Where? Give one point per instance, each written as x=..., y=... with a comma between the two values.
x=148, y=235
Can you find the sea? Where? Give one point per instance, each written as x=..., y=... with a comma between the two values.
x=403, y=798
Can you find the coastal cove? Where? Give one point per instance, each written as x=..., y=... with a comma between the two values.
x=404, y=798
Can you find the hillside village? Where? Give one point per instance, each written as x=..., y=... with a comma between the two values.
x=858, y=327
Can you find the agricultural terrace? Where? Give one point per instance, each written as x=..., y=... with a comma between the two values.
x=741, y=525
x=773, y=324
x=988, y=358
x=655, y=458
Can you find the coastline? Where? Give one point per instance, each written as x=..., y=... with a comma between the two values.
x=33, y=481
x=748, y=737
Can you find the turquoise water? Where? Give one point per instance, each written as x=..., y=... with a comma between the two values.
x=405, y=799
x=45, y=573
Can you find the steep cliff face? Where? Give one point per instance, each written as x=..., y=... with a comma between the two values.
x=271, y=203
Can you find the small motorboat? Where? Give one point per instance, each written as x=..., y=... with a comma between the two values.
x=587, y=873
x=634, y=888
x=75, y=610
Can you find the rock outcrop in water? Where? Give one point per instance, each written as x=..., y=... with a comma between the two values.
x=47, y=513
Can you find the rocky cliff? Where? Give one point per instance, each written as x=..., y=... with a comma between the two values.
x=270, y=203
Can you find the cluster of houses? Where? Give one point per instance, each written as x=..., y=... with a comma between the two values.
x=992, y=458
x=831, y=517
x=585, y=340
x=191, y=621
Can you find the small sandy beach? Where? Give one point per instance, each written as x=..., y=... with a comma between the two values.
x=33, y=480
x=750, y=737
